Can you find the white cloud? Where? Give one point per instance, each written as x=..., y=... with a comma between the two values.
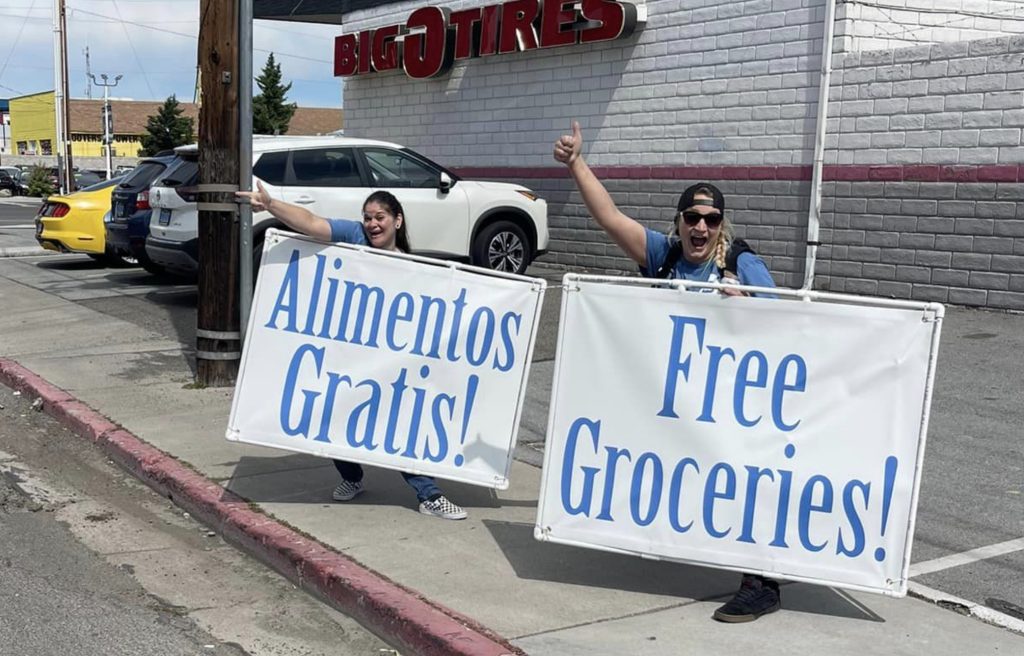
x=152, y=43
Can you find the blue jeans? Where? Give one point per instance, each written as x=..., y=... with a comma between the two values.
x=425, y=486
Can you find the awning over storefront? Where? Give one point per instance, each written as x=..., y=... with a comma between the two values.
x=312, y=11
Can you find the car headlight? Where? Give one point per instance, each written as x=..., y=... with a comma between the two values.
x=529, y=194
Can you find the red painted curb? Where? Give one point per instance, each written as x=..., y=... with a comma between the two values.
x=404, y=618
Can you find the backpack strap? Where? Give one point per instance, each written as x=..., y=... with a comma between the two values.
x=732, y=256
x=675, y=251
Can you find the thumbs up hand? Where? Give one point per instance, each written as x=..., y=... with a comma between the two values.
x=568, y=147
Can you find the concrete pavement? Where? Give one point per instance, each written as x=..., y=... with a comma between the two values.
x=481, y=586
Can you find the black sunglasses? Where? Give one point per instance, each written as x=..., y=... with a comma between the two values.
x=693, y=218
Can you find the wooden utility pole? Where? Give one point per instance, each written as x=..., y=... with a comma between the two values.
x=218, y=344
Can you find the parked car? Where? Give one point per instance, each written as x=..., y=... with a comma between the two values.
x=85, y=179
x=8, y=183
x=491, y=224
x=130, y=210
x=75, y=223
x=173, y=240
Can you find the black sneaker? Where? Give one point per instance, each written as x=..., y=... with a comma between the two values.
x=757, y=596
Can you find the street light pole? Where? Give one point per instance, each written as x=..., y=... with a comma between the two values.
x=108, y=120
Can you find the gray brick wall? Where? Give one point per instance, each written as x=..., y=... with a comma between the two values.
x=956, y=241
x=712, y=83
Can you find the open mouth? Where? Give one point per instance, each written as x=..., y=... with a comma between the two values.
x=698, y=241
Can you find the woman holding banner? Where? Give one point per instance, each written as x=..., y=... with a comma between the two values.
x=383, y=227
x=699, y=248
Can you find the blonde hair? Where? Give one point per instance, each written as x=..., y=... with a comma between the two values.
x=722, y=243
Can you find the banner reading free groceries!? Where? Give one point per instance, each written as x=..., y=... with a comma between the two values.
x=376, y=358
x=763, y=435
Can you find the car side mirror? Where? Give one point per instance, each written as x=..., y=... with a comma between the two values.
x=444, y=183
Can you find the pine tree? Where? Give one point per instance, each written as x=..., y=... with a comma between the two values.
x=167, y=129
x=270, y=113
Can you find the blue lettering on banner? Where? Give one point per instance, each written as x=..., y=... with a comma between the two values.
x=425, y=434
x=752, y=371
x=817, y=512
x=404, y=415
x=369, y=316
x=587, y=478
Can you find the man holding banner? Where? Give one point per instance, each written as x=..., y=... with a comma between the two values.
x=700, y=249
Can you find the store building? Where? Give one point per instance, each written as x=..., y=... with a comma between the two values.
x=5, y=126
x=33, y=126
x=923, y=183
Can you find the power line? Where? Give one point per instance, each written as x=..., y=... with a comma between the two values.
x=193, y=36
x=145, y=77
x=15, y=44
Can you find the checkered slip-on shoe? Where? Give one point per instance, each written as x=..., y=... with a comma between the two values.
x=443, y=508
x=347, y=491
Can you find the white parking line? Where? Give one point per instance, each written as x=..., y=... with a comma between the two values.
x=27, y=225
x=966, y=557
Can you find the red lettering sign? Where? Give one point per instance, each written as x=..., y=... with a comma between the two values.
x=555, y=18
x=517, y=26
x=463, y=22
x=489, y=30
x=433, y=37
x=427, y=50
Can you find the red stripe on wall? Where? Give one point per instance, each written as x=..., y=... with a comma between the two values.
x=830, y=172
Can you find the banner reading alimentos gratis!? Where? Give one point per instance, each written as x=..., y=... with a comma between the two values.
x=380, y=359
x=761, y=435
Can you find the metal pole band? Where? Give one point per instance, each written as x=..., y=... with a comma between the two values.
x=215, y=188
x=229, y=208
x=226, y=355
x=218, y=334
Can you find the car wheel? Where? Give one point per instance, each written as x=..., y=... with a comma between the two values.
x=502, y=246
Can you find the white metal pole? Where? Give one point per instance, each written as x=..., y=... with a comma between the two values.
x=814, y=213
x=108, y=138
x=58, y=95
x=245, y=271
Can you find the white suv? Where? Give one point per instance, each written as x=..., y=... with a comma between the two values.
x=491, y=224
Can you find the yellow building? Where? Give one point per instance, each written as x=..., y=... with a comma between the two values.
x=34, y=127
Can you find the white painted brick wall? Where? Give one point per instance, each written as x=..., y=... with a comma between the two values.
x=705, y=82
x=885, y=24
x=935, y=104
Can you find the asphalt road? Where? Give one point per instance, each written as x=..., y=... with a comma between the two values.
x=93, y=562
x=972, y=491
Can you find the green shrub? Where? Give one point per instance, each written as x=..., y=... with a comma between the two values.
x=39, y=183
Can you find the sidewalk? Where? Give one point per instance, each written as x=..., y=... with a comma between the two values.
x=481, y=586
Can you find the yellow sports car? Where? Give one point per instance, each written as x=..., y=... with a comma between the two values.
x=74, y=223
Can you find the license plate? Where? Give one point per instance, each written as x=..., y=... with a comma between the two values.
x=119, y=209
x=165, y=217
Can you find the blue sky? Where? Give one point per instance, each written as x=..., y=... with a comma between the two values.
x=152, y=43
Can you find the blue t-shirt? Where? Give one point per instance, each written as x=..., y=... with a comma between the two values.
x=347, y=232
x=752, y=270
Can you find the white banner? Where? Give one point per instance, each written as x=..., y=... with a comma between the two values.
x=770, y=436
x=384, y=359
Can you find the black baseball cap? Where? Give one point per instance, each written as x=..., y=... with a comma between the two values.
x=717, y=199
